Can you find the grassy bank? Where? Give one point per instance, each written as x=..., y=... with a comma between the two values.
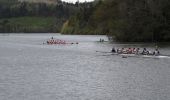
x=30, y=24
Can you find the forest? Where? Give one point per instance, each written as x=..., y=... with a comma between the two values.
x=27, y=17
x=123, y=20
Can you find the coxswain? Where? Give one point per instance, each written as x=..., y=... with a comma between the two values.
x=156, y=52
x=48, y=42
x=113, y=50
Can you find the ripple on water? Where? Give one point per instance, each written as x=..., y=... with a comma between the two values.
x=31, y=71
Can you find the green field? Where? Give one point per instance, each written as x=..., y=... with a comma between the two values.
x=31, y=24
x=8, y=2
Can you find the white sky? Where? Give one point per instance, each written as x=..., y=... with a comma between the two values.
x=73, y=1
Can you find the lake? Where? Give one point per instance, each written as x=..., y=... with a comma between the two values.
x=31, y=70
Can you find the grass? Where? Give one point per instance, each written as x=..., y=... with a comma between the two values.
x=8, y=2
x=32, y=24
x=32, y=21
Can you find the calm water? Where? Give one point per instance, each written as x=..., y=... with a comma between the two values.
x=30, y=70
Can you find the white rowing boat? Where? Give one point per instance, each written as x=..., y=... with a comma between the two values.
x=137, y=55
x=144, y=56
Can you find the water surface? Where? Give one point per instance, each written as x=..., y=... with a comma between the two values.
x=30, y=70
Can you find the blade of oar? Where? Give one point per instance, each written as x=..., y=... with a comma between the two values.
x=103, y=52
x=165, y=55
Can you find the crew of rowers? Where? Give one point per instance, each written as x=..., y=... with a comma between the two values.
x=52, y=41
x=135, y=51
x=58, y=41
x=101, y=40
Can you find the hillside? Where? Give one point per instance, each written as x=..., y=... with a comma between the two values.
x=124, y=20
x=34, y=16
x=8, y=2
x=41, y=1
x=31, y=25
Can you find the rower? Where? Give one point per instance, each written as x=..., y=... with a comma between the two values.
x=100, y=40
x=130, y=51
x=145, y=52
x=118, y=50
x=124, y=51
x=137, y=50
x=134, y=50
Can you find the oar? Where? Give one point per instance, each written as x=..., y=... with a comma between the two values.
x=103, y=52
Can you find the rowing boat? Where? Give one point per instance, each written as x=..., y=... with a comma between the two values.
x=144, y=56
x=60, y=43
x=137, y=55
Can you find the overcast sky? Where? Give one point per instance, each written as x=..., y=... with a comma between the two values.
x=76, y=0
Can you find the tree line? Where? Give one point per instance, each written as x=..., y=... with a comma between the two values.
x=123, y=20
x=36, y=9
x=12, y=11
